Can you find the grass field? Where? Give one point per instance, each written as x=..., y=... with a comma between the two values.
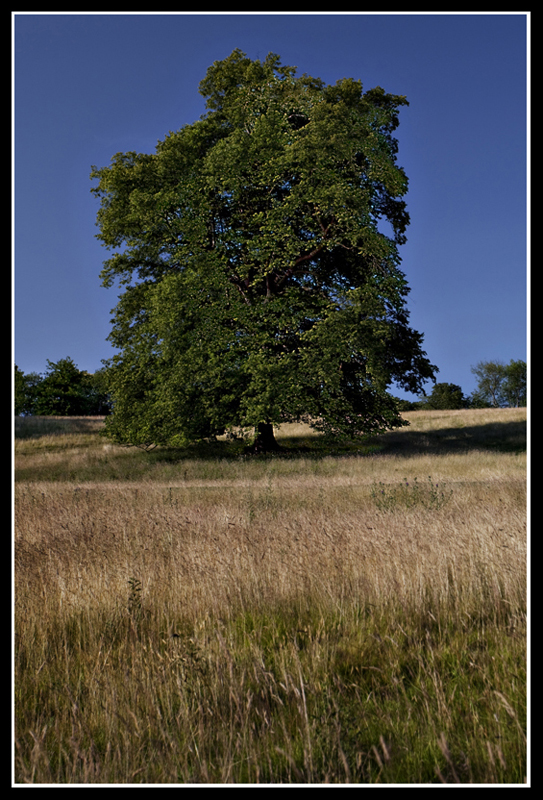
x=331, y=614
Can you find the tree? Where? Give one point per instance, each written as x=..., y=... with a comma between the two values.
x=490, y=376
x=514, y=384
x=446, y=396
x=66, y=390
x=19, y=391
x=63, y=391
x=98, y=400
x=60, y=392
x=26, y=389
x=500, y=384
x=258, y=251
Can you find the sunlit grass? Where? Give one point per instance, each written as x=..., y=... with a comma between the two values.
x=204, y=619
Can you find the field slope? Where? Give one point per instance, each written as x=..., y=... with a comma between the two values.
x=336, y=613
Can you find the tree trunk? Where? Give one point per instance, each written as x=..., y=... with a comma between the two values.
x=265, y=441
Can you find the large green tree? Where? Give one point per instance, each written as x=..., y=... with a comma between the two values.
x=257, y=251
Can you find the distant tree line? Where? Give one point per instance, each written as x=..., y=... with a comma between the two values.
x=63, y=391
x=499, y=385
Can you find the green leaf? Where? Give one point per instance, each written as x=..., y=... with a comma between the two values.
x=258, y=284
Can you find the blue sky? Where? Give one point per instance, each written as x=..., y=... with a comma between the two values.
x=88, y=86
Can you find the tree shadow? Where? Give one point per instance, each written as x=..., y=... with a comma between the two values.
x=499, y=436
x=33, y=427
x=503, y=437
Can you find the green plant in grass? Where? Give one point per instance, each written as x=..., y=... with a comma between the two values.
x=410, y=494
x=134, y=599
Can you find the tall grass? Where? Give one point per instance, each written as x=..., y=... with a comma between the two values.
x=274, y=620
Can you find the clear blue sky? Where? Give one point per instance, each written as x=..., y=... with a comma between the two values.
x=88, y=86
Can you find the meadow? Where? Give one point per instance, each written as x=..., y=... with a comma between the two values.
x=344, y=613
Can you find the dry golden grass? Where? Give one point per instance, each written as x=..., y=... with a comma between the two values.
x=205, y=563
x=436, y=442
x=269, y=537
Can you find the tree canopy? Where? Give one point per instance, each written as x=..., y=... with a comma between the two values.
x=64, y=390
x=257, y=252
x=446, y=396
x=500, y=384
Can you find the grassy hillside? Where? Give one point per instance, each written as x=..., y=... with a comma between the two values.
x=351, y=614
